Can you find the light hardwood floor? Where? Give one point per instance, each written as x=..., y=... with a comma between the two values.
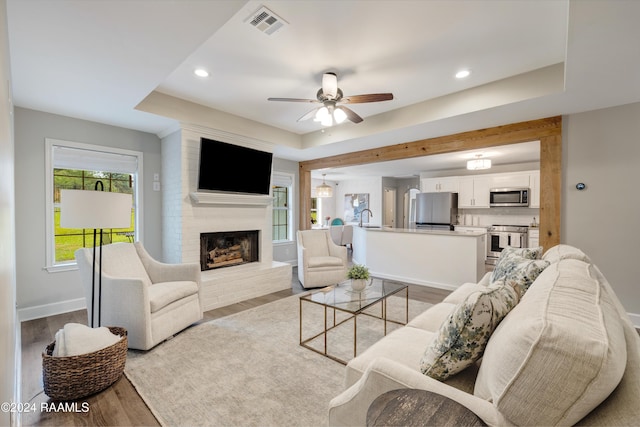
x=120, y=404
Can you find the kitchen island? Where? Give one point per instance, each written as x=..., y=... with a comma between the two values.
x=438, y=258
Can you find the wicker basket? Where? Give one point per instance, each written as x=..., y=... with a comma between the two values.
x=74, y=377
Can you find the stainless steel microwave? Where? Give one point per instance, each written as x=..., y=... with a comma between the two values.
x=508, y=197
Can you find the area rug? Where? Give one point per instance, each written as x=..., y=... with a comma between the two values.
x=248, y=369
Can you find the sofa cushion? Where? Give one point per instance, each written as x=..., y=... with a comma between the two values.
x=163, y=294
x=404, y=345
x=462, y=292
x=518, y=272
x=560, y=252
x=431, y=319
x=324, y=261
x=559, y=353
x=462, y=337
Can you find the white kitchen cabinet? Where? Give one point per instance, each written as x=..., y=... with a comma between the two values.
x=534, y=237
x=534, y=196
x=473, y=192
x=437, y=185
x=510, y=180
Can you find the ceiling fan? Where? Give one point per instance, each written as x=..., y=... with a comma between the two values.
x=331, y=97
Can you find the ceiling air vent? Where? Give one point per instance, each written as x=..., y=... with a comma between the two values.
x=266, y=21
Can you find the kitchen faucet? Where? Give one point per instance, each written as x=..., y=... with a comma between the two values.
x=362, y=213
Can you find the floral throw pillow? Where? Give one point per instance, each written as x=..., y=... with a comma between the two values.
x=518, y=272
x=463, y=336
x=529, y=253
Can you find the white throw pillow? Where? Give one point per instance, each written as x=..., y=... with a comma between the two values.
x=462, y=337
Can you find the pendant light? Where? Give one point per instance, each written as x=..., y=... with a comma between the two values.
x=478, y=163
x=324, y=190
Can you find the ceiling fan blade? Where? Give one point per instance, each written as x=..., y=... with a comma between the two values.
x=351, y=115
x=292, y=99
x=330, y=85
x=309, y=115
x=371, y=97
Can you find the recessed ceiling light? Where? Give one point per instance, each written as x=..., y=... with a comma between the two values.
x=462, y=74
x=201, y=72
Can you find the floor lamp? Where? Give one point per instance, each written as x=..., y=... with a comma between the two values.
x=97, y=210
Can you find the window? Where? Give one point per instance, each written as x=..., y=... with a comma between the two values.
x=314, y=210
x=80, y=166
x=282, y=207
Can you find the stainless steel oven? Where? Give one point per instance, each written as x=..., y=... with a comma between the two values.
x=501, y=236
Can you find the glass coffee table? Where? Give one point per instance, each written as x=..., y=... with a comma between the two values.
x=341, y=298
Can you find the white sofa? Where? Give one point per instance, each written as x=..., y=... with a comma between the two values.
x=566, y=354
x=150, y=299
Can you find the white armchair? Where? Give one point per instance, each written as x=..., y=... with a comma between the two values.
x=320, y=261
x=152, y=300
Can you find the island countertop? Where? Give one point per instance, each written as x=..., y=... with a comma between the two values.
x=439, y=258
x=422, y=231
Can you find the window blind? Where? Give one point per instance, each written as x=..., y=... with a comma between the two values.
x=93, y=160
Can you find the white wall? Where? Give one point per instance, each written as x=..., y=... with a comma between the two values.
x=172, y=197
x=602, y=149
x=8, y=371
x=39, y=292
x=372, y=186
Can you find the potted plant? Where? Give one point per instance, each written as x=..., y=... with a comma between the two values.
x=359, y=275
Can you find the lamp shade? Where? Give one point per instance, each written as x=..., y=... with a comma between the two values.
x=94, y=209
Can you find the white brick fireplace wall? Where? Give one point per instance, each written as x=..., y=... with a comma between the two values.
x=187, y=213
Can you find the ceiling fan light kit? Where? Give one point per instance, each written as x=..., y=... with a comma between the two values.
x=330, y=95
x=330, y=115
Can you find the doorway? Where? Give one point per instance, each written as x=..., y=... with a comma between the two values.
x=409, y=207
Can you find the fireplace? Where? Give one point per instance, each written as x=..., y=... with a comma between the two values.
x=228, y=248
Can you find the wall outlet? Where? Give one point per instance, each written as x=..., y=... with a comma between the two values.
x=156, y=176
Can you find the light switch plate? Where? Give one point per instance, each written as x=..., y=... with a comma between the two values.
x=156, y=186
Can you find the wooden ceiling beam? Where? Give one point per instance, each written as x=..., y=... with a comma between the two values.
x=548, y=131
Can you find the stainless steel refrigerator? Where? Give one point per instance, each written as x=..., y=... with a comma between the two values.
x=436, y=210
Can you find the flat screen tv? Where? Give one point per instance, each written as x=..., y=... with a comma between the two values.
x=232, y=168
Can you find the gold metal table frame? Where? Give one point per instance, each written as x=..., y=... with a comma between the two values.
x=340, y=298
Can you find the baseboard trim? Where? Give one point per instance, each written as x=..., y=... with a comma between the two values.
x=45, y=310
x=414, y=281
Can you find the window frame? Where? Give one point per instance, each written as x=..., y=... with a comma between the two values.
x=283, y=179
x=51, y=266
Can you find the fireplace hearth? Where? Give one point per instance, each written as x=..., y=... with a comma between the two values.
x=228, y=248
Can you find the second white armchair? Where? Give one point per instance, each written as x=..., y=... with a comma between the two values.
x=320, y=261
